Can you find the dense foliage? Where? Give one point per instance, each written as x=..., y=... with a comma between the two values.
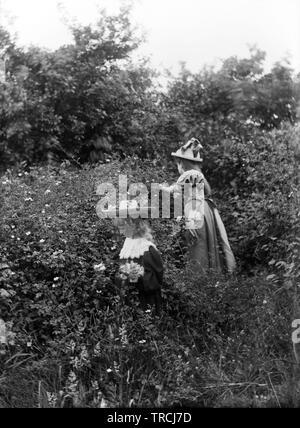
x=89, y=98
x=73, y=337
x=213, y=333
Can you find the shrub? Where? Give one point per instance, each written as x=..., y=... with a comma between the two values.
x=82, y=343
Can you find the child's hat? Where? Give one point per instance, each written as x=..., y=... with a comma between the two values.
x=190, y=151
x=128, y=208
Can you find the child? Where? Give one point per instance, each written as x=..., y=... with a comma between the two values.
x=141, y=262
x=207, y=242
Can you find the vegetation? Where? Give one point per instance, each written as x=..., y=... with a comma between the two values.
x=81, y=115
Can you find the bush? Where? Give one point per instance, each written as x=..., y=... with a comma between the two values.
x=80, y=342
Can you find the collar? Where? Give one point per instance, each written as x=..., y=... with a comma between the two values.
x=135, y=248
x=192, y=175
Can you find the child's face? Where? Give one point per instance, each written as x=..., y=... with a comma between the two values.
x=125, y=227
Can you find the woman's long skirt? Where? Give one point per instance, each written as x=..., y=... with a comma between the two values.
x=209, y=250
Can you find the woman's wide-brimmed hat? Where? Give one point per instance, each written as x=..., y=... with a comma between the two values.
x=190, y=151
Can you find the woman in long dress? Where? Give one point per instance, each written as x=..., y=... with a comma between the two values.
x=206, y=237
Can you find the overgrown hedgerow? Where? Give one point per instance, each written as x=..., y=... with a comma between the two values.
x=78, y=340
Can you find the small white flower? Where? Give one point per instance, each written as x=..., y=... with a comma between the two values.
x=99, y=268
x=60, y=231
x=13, y=236
x=265, y=302
x=4, y=293
x=28, y=233
x=56, y=279
x=148, y=311
x=47, y=192
x=42, y=241
x=47, y=205
x=28, y=199
x=109, y=370
x=142, y=341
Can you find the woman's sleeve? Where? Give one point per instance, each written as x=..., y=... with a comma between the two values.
x=192, y=176
x=153, y=276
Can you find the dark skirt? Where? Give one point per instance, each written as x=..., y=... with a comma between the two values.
x=150, y=299
x=209, y=250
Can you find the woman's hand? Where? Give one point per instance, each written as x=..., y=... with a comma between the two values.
x=165, y=188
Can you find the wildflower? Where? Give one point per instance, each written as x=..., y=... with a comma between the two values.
x=13, y=236
x=4, y=293
x=97, y=349
x=103, y=403
x=60, y=231
x=28, y=199
x=109, y=370
x=132, y=271
x=95, y=384
x=72, y=345
x=265, y=302
x=47, y=205
x=56, y=279
x=99, y=268
x=116, y=367
x=6, y=335
x=28, y=233
x=47, y=192
x=148, y=311
x=84, y=356
x=142, y=341
x=42, y=241
x=52, y=398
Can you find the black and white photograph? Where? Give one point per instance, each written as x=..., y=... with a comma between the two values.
x=149, y=206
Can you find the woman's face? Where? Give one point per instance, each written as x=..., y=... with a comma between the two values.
x=180, y=168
